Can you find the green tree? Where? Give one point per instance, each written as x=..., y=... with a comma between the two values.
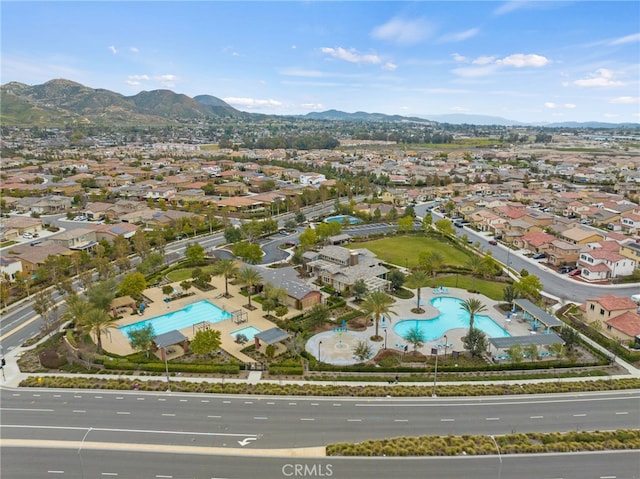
x=472, y=306
x=529, y=286
x=232, y=234
x=405, y=224
x=396, y=278
x=376, y=305
x=98, y=322
x=308, y=238
x=249, y=252
x=475, y=342
x=359, y=288
x=362, y=351
x=416, y=337
x=426, y=222
x=509, y=294
x=141, y=339
x=515, y=354
x=195, y=254
x=205, y=341
x=444, y=227
x=141, y=244
x=570, y=337
x=431, y=262
x=101, y=294
x=76, y=309
x=531, y=351
x=226, y=268
x=417, y=280
x=316, y=316
x=132, y=284
x=250, y=278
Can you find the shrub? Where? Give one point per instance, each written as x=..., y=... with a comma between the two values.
x=50, y=359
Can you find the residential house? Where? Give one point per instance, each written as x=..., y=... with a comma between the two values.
x=232, y=188
x=606, y=309
x=602, y=264
x=631, y=250
x=340, y=268
x=76, y=239
x=51, y=204
x=33, y=255
x=580, y=235
x=536, y=242
x=561, y=253
x=16, y=226
x=630, y=223
x=299, y=295
x=625, y=327
x=10, y=267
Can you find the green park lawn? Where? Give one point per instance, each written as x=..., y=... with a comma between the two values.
x=185, y=273
x=405, y=250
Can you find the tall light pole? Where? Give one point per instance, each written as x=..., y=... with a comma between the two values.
x=166, y=369
x=445, y=347
x=435, y=375
x=385, y=338
x=499, y=456
x=319, y=351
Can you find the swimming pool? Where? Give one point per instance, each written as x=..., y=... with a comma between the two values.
x=451, y=316
x=183, y=318
x=342, y=218
x=249, y=332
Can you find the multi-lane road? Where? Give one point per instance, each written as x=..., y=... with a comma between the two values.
x=98, y=433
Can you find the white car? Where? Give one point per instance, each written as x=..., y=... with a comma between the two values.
x=27, y=236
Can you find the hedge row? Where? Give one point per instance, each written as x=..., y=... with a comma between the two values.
x=173, y=367
x=396, y=390
x=530, y=443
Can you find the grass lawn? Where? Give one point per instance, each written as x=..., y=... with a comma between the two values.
x=490, y=289
x=185, y=273
x=404, y=250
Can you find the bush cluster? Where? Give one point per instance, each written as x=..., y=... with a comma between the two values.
x=484, y=445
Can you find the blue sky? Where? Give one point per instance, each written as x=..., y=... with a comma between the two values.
x=540, y=61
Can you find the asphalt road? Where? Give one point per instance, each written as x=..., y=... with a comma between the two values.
x=74, y=463
x=80, y=434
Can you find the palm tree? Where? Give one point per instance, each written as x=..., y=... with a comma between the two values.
x=228, y=269
x=96, y=322
x=77, y=309
x=476, y=267
x=472, y=306
x=249, y=277
x=377, y=305
x=418, y=280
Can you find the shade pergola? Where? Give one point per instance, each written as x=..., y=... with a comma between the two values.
x=546, y=339
x=537, y=313
x=169, y=338
x=272, y=336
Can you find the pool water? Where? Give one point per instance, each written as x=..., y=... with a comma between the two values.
x=451, y=316
x=192, y=314
x=249, y=332
x=342, y=218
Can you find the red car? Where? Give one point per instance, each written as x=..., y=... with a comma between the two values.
x=493, y=242
x=575, y=272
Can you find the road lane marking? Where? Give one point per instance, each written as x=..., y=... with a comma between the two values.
x=36, y=395
x=336, y=405
x=292, y=404
x=226, y=402
x=447, y=420
x=184, y=400
x=400, y=420
x=354, y=420
x=109, y=473
x=160, y=476
x=123, y=412
x=491, y=418
x=536, y=417
x=140, y=399
x=202, y=400
x=57, y=395
x=215, y=417
x=16, y=394
x=248, y=402
x=130, y=431
x=621, y=413
x=168, y=415
x=119, y=397
x=25, y=409
x=77, y=396
x=97, y=397
x=55, y=472
x=579, y=415
x=314, y=403
x=263, y=418
x=79, y=411
x=271, y=403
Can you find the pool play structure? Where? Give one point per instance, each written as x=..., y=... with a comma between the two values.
x=194, y=313
x=342, y=219
x=451, y=316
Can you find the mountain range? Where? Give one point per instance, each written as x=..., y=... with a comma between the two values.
x=62, y=102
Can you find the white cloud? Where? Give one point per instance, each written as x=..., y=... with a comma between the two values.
x=351, y=55
x=635, y=37
x=403, y=31
x=601, y=77
x=166, y=81
x=133, y=50
x=113, y=49
x=253, y=103
x=509, y=7
x=459, y=109
x=483, y=60
x=520, y=60
x=570, y=106
x=550, y=105
x=313, y=106
x=301, y=72
x=625, y=100
x=474, y=72
x=389, y=66
x=459, y=36
x=459, y=58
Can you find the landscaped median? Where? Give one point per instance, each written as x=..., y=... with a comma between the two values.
x=300, y=389
x=524, y=443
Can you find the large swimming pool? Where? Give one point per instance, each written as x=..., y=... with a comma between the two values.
x=342, y=218
x=183, y=318
x=451, y=316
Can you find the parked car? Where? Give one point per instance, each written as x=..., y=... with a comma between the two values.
x=457, y=225
x=539, y=256
x=575, y=272
x=565, y=269
x=493, y=242
x=27, y=236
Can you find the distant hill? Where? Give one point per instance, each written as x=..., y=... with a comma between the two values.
x=59, y=102
x=62, y=102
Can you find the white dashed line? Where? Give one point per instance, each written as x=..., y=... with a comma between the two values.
x=262, y=418
x=169, y=415
x=622, y=413
x=215, y=417
x=109, y=473
x=536, y=417
x=579, y=415
x=183, y=400
x=140, y=399
x=79, y=411
x=123, y=413
x=354, y=420
x=492, y=419
x=400, y=420
x=97, y=397
x=292, y=403
x=55, y=472
x=202, y=400
x=447, y=420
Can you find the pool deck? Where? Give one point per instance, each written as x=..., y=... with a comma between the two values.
x=337, y=347
x=118, y=343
